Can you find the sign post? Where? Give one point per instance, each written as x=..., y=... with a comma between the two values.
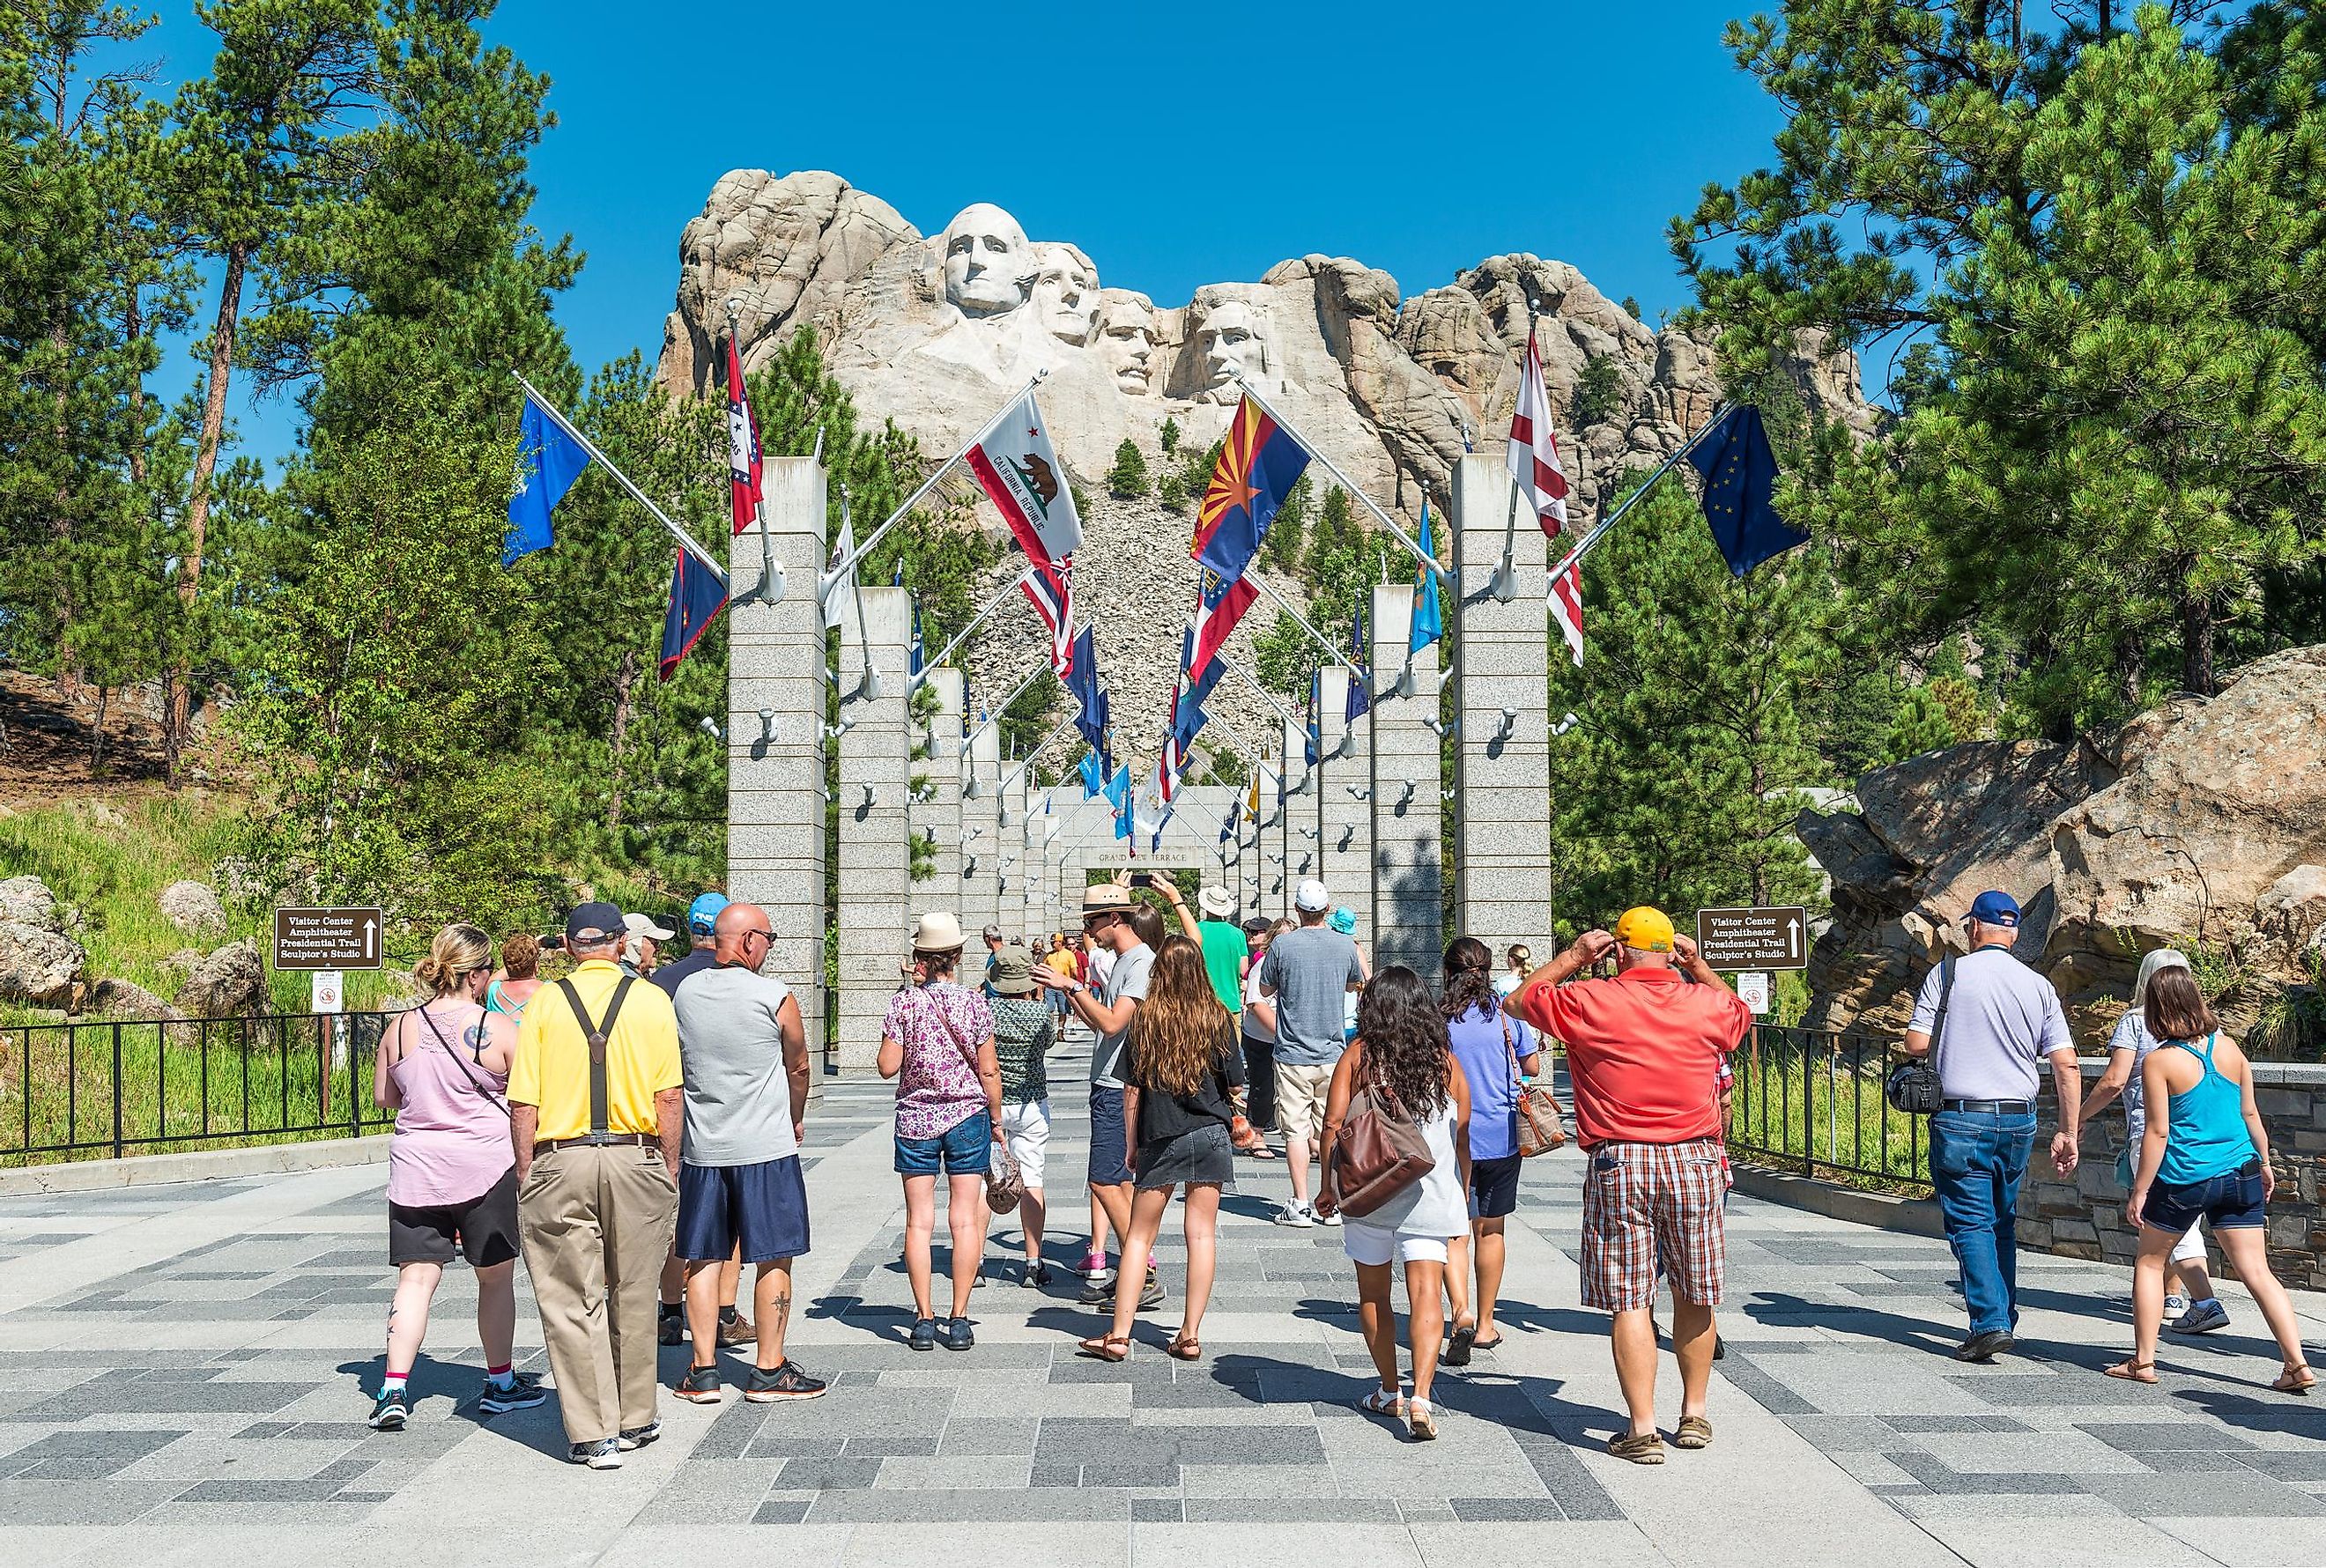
x=1735, y=939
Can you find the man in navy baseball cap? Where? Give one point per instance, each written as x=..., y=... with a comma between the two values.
x=1995, y=907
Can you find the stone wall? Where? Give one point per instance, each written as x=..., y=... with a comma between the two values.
x=2083, y=1217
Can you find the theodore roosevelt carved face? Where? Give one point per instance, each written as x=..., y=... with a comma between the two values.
x=1128, y=340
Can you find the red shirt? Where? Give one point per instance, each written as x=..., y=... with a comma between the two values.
x=1643, y=1050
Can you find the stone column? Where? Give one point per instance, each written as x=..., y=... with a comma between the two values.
x=1297, y=834
x=1346, y=807
x=1407, y=877
x=941, y=815
x=775, y=780
x=981, y=898
x=1502, y=878
x=876, y=890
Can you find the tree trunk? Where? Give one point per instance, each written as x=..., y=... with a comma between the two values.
x=61, y=523
x=2130, y=659
x=625, y=680
x=2197, y=645
x=96, y=747
x=132, y=327
x=198, y=505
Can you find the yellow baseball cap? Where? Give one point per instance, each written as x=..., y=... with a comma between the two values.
x=1645, y=930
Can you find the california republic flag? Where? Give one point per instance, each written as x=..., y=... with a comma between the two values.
x=1022, y=474
x=1534, y=446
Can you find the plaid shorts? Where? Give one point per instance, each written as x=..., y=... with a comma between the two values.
x=1642, y=1199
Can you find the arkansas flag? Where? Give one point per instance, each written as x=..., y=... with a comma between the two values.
x=742, y=444
x=1534, y=446
x=1023, y=478
x=1567, y=607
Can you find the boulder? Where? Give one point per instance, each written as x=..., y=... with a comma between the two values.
x=27, y=901
x=240, y=880
x=121, y=1000
x=230, y=983
x=193, y=908
x=2293, y=911
x=39, y=967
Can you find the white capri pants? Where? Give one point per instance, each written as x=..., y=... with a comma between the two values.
x=1025, y=1128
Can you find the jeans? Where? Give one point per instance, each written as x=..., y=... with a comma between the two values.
x=1977, y=1159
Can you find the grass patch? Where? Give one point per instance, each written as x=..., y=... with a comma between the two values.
x=1801, y=1094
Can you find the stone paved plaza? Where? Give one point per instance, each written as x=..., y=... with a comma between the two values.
x=180, y=1367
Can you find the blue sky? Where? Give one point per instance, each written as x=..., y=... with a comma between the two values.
x=1178, y=145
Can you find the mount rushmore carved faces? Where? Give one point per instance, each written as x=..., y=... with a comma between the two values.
x=1233, y=345
x=1065, y=291
x=1128, y=340
x=989, y=266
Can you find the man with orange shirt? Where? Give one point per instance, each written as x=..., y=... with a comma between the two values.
x=1643, y=1050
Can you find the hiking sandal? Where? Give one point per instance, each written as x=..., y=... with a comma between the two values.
x=1383, y=1402
x=1185, y=1348
x=2297, y=1379
x=1105, y=1348
x=1421, y=1420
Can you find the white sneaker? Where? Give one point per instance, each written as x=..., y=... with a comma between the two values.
x=1296, y=1215
x=1332, y=1218
x=2175, y=1307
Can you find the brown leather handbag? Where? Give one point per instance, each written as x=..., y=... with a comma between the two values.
x=1539, y=1127
x=1379, y=1153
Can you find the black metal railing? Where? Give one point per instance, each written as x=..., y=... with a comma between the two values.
x=95, y=1090
x=1811, y=1100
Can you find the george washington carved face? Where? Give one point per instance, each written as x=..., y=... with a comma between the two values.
x=989, y=266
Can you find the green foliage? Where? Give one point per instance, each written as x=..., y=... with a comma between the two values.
x=1287, y=533
x=1127, y=480
x=1600, y=393
x=1632, y=308
x=1171, y=490
x=1169, y=435
x=1023, y=723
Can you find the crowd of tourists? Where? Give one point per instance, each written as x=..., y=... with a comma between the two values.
x=639, y=1143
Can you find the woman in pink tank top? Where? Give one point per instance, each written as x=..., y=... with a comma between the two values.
x=443, y=1068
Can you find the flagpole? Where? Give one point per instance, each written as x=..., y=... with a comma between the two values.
x=1028, y=760
x=975, y=621
x=685, y=541
x=1020, y=690
x=771, y=576
x=1568, y=561
x=1319, y=638
x=1347, y=484
x=930, y=483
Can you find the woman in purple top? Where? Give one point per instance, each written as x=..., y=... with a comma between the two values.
x=443, y=1068
x=1494, y=1050
x=938, y=1042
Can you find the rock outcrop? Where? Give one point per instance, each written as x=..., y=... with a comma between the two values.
x=121, y=1000
x=41, y=963
x=229, y=983
x=193, y=908
x=2201, y=824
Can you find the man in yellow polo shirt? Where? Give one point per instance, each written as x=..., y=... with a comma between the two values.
x=597, y=1134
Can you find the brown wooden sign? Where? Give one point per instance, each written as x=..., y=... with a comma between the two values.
x=1754, y=938
x=327, y=939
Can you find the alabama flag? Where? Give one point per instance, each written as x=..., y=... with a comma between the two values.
x=742, y=444
x=1566, y=606
x=1534, y=446
x=1022, y=476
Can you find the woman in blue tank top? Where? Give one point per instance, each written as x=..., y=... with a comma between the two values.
x=2204, y=1155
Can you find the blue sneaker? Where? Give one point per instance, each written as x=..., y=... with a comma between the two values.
x=925, y=1334
x=2202, y=1317
x=388, y=1411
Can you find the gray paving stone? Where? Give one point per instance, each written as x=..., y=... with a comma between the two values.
x=1003, y=1436
x=1291, y=1512
x=1935, y=1475
x=765, y=1447
x=1505, y=1510
x=828, y=1474
x=1576, y=1489
x=782, y=1511
x=2151, y=1437
x=2216, y=1495
x=1043, y=1507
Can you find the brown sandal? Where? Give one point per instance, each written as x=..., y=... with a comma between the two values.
x=1105, y=1348
x=2132, y=1371
x=1185, y=1348
x=2297, y=1379
x=1641, y=1448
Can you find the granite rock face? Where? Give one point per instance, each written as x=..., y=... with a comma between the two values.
x=41, y=963
x=193, y=908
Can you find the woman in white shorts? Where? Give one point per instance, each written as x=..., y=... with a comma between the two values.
x=1023, y=1032
x=1400, y=1046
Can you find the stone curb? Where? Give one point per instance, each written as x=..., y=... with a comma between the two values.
x=202, y=1166
x=1883, y=1211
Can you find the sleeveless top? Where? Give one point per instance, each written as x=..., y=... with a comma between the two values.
x=1433, y=1207
x=2206, y=1134
x=496, y=1002
x=452, y=1140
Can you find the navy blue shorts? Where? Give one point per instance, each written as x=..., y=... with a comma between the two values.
x=2231, y=1200
x=963, y=1149
x=1494, y=1187
x=1107, y=1166
x=763, y=1206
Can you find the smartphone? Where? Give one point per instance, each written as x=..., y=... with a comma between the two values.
x=1142, y=880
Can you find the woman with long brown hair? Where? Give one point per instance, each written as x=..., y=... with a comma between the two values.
x=1400, y=1056
x=1180, y=1066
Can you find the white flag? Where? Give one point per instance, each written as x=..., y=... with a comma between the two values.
x=840, y=591
x=1534, y=446
x=1567, y=607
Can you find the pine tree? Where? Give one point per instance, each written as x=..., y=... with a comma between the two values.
x=1127, y=480
x=1600, y=393
x=1170, y=436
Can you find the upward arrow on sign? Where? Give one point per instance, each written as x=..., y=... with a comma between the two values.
x=1793, y=937
x=371, y=939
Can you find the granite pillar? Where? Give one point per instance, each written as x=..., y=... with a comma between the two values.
x=877, y=897
x=1407, y=877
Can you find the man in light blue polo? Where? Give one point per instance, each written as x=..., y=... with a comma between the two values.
x=1990, y=1022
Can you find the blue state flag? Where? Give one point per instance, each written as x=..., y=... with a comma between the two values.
x=696, y=595
x=916, y=658
x=1118, y=795
x=1740, y=476
x=1090, y=697
x=548, y=460
x=1259, y=464
x=1094, y=776
x=1428, y=618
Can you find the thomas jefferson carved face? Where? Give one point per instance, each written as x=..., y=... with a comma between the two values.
x=1066, y=291
x=1231, y=344
x=1129, y=341
x=989, y=267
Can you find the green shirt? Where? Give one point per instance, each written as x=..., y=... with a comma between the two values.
x=1022, y=1035
x=1224, y=950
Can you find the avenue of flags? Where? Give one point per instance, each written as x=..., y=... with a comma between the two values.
x=1020, y=474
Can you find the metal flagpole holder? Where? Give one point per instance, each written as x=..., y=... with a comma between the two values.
x=975, y=621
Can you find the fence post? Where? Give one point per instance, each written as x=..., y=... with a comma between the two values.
x=342, y=1041
x=116, y=1090
x=1808, y=1115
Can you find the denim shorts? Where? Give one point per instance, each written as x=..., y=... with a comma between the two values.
x=1108, y=1167
x=963, y=1149
x=2231, y=1200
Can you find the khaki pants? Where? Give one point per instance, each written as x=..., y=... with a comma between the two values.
x=597, y=1224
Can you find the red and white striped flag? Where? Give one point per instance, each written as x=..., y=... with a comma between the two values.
x=1567, y=607
x=1052, y=593
x=742, y=444
x=1534, y=446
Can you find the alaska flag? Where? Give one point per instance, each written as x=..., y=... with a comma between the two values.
x=1428, y=619
x=1361, y=700
x=1740, y=476
x=1259, y=464
x=548, y=460
x=696, y=595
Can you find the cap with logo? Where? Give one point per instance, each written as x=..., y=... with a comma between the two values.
x=1012, y=973
x=1312, y=897
x=1995, y=907
x=590, y=923
x=703, y=915
x=1645, y=928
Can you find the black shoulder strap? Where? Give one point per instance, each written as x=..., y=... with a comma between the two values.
x=1946, y=994
x=493, y=1099
x=597, y=1034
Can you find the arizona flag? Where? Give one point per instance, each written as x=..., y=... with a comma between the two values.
x=1024, y=479
x=696, y=596
x=742, y=444
x=1567, y=607
x=1260, y=463
x=1534, y=446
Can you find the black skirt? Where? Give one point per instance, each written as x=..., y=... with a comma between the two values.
x=1205, y=1156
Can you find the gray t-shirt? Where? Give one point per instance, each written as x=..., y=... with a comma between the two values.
x=1311, y=967
x=730, y=1052
x=2003, y=1019
x=1128, y=977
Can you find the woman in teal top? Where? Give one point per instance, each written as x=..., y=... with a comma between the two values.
x=2206, y=1157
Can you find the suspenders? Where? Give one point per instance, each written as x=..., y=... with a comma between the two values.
x=597, y=1033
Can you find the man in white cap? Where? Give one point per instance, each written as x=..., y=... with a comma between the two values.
x=1308, y=973
x=641, y=955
